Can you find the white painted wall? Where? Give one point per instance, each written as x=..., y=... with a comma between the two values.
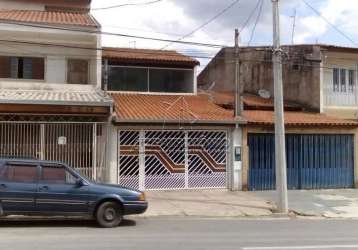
x=195, y=88
x=55, y=57
x=55, y=69
x=236, y=166
x=340, y=104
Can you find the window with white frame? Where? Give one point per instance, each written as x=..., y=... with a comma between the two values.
x=147, y=79
x=344, y=80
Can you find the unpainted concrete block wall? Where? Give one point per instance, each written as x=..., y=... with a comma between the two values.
x=301, y=73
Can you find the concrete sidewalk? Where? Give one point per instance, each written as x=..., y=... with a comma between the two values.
x=206, y=203
x=339, y=203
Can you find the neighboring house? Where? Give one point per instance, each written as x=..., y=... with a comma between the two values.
x=322, y=78
x=165, y=135
x=51, y=103
x=321, y=148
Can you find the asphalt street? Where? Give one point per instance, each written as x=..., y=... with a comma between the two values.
x=182, y=233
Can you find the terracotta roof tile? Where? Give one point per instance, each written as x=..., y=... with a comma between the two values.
x=294, y=118
x=148, y=56
x=250, y=101
x=166, y=108
x=174, y=108
x=48, y=17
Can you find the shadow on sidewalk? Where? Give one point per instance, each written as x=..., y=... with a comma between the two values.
x=64, y=222
x=234, y=204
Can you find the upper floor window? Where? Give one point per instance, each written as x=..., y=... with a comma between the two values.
x=144, y=79
x=77, y=71
x=22, y=67
x=344, y=80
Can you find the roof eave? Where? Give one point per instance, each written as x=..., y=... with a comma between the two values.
x=152, y=61
x=78, y=27
x=62, y=103
x=211, y=122
x=303, y=124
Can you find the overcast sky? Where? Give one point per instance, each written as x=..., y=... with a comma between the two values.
x=171, y=19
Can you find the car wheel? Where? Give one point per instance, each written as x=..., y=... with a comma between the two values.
x=109, y=214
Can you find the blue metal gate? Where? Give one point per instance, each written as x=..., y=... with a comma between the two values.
x=313, y=161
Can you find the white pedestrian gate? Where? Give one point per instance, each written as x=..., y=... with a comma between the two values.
x=81, y=145
x=172, y=159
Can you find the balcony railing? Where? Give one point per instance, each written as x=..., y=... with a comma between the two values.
x=339, y=98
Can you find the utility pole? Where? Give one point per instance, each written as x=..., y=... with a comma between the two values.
x=280, y=151
x=237, y=76
x=237, y=133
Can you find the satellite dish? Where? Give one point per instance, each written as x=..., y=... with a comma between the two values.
x=263, y=93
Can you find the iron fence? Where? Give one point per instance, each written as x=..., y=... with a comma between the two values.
x=80, y=145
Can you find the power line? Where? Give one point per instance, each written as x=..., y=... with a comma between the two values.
x=256, y=22
x=205, y=23
x=331, y=24
x=127, y=4
x=142, y=30
x=117, y=34
x=29, y=52
x=89, y=48
x=291, y=61
x=250, y=15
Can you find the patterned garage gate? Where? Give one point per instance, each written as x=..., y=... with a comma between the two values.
x=313, y=161
x=172, y=159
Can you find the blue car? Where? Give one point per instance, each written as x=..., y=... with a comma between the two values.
x=32, y=187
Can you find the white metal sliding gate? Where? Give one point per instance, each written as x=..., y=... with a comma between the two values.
x=81, y=145
x=176, y=159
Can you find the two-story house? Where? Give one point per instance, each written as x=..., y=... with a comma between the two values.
x=320, y=91
x=165, y=135
x=51, y=103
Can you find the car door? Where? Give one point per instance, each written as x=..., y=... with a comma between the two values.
x=18, y=187
x=58, y=192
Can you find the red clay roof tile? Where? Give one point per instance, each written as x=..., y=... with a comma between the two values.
x=166, y=108
x=250, y=101
x=48, y=17
x=294, y=118
x=148, y=56
x=199, y=108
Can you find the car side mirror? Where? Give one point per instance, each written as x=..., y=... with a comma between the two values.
x=79, y=183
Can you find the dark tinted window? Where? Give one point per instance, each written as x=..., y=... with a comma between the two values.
x=21, y=173
x=128, y=79
x=150, y=79
x=57, y=175
x=170, y=80
x=22, y=67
